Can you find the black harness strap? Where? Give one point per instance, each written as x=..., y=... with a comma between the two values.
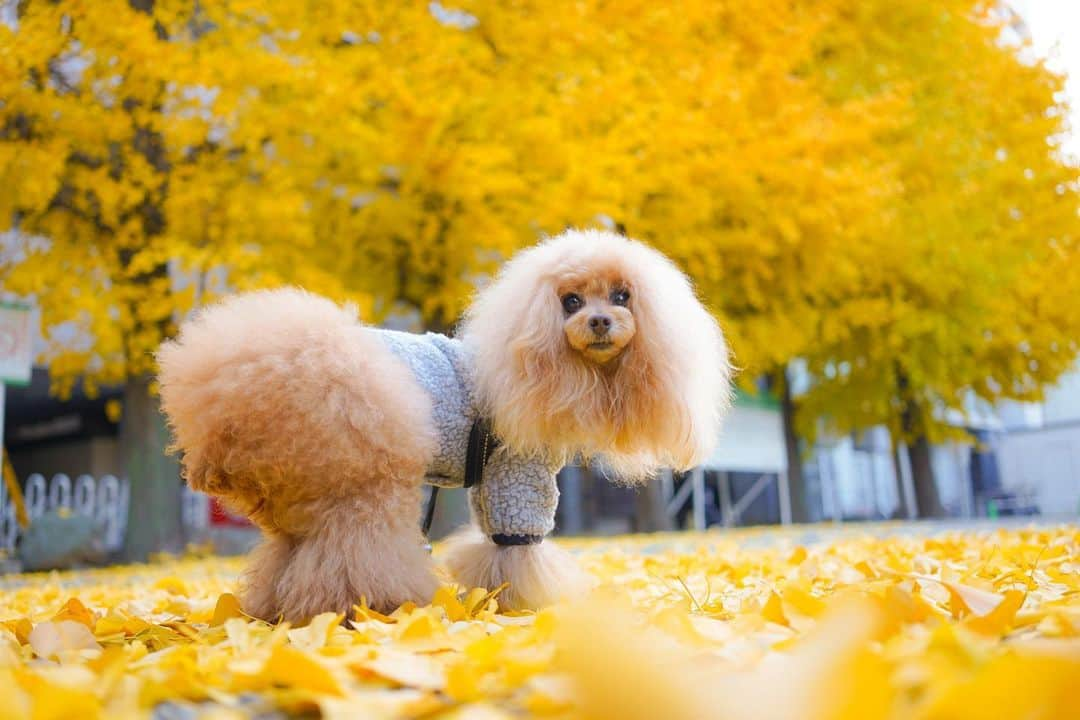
x=429, y=514
x=482, y=443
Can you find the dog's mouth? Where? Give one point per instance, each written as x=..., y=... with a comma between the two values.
x=601, y=345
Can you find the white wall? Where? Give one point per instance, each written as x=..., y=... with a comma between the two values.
x=1040, y=455
x=1046, y=464
x=1019, y=416
x=752, y=440
x=1061, y=405
x=1063, y=400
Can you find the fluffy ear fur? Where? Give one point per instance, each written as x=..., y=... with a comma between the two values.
x=658, y=404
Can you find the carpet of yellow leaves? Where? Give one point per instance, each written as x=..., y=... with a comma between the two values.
x=879, y=622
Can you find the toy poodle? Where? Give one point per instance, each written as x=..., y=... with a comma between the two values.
x=323, y=430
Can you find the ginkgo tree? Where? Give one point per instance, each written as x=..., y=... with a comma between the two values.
x=156, y=153
x=147, y=147
x=951, y=303
x=393, y=155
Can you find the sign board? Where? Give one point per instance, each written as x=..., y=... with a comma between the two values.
x=16, y=343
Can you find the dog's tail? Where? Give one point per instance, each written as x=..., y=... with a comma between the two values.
x=280, y=398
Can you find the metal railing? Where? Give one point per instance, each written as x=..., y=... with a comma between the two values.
x=732, y=508
x=105, y=499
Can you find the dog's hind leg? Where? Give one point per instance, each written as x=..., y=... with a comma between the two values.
x=258, y=592
x=360, y=551
x=307, y=422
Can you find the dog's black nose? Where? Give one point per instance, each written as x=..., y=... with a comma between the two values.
x=600, y=324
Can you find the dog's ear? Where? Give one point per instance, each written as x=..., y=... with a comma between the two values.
x=535, y=342
x=675, y=376
x=514, y=330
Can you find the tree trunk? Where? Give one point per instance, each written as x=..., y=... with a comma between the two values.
x=800, y=506
x=902, y=510
x=922, y=476
x=913, y=425
x=154, y=477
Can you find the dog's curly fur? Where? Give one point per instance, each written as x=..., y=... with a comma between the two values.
x=300, y=418
x=297, y=418
x=657, y=404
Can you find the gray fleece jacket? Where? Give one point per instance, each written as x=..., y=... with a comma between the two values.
x=515, y=501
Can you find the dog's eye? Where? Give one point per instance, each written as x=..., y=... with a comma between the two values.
x=571, y=302
x=620, y=297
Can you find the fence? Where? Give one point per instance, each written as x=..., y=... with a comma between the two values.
x=105, y=499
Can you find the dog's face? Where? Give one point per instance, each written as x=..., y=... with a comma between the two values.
x=594, y=344
x=598, y=317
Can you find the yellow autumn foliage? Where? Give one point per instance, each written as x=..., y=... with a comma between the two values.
x=846, y=181
x=957, y=294
x=807, y=623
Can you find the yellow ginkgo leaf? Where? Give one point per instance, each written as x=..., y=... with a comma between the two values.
x=292, y=668
x=773, y=610
x=20, y=628
x=362, y=612
x=1000, y=617
x=1014, y=684
x=463, y=682
x=116, y=622
x=227, y=607
x=965, y=600
x=419, y=626
x=173, y=585
x=61, y=694
x=614, y=673
x=316, y=633
x=406, y=669
x=802, y=601
x=74, y=610
x=51, y=639
x=446, y=598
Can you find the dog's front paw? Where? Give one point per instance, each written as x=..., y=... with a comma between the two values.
x=538, y=575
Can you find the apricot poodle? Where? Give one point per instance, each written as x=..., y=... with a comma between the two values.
x=323, y=430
